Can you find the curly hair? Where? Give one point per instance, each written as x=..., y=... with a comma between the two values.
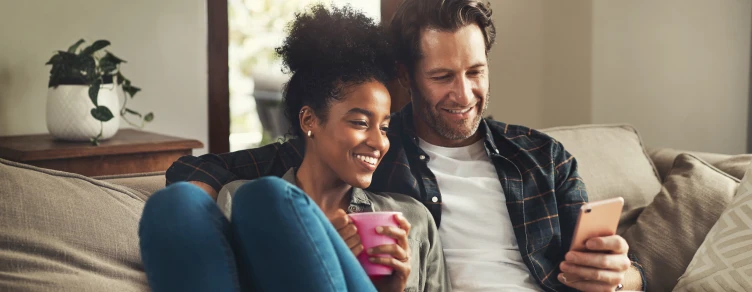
x=412, y=16
x=327, y=50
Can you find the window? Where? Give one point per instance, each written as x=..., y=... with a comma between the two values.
x=256, y=27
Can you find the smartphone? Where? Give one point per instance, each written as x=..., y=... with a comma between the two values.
x=596, y=219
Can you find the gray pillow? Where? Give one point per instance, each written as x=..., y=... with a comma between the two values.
x=672, y=227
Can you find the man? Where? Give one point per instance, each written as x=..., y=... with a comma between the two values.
x=505, y=197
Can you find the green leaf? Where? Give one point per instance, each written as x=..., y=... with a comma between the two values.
x=109, y=63
x=133, y=112
x=113, y=58
x=131, y=90
x=74, y=47
x=120, y=78
x=102, y=113
x=86, y=63
x=149, y=117
x=94, y=91
x=57, y=58
x=96, y=46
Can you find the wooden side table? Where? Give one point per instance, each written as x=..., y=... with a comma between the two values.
x=129, y=151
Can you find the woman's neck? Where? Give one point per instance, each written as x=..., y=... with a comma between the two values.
x=323, y=185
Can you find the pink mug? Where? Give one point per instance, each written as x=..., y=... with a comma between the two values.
x=366, y=224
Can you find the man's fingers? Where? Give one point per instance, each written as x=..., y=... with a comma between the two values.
x=393, y=250
x=611, y=244
x=614, y=262
x=585, y=285
x=575, y=273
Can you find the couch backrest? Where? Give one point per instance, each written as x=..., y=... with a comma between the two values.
x=613, y=163
x=66, y=232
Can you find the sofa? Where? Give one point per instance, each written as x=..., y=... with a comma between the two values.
x=66, y=232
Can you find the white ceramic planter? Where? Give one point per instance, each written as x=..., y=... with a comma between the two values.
x=69, y=112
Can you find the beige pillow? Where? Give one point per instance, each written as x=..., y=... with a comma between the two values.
x=65, y=232
x=613, y=163
x=724, y=260
x=673, y=226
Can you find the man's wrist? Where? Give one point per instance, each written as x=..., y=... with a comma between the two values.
x=633, y=279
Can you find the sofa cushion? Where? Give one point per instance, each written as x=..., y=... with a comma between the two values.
x=735, y=165
x=613, y=163
x=145, y=183
x=724, y=260
x=673, y=226
x=66, y=232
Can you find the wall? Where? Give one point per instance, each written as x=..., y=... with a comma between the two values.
x=540, y=64
x=677, y=70
x=163, y=41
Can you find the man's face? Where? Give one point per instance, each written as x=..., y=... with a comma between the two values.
x=450, y=85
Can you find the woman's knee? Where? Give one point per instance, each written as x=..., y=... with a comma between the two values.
x=263, y=195
x=179, y=202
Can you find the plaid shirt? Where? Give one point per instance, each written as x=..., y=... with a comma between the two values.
x=542, y=188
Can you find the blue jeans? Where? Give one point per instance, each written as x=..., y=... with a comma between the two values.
x=278, y=240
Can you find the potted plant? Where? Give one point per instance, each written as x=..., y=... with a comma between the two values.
x=83, y=91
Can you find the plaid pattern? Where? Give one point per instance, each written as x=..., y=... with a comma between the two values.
x=539, y=178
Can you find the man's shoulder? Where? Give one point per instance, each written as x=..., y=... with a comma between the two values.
x=519, y=135
x=291, y=147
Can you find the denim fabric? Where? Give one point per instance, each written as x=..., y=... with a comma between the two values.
x=279, y=240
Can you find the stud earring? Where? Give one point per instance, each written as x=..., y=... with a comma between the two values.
x=309, y=134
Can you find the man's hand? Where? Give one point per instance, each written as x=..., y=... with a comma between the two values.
x=601, y=268
x=347, y=231
x=399, y=256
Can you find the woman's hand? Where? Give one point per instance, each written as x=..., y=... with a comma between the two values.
x=347, y=231
x=399, y=258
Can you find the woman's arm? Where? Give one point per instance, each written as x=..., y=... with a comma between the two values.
x=436, y=277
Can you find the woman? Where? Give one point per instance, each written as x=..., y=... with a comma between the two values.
x=280, y=237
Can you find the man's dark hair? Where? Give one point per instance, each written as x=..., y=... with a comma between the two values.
x=327, y=50
x=413, y=16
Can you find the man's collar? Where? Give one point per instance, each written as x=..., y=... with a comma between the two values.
x=408, y=128
x=359, y=196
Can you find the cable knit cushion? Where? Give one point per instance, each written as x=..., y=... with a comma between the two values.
x=724, y=260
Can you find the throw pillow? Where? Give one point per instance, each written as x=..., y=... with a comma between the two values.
x=724, y=260
x=673, y=226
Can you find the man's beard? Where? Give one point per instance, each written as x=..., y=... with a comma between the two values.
x=458, y=130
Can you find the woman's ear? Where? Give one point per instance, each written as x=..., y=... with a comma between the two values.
x=308, y=120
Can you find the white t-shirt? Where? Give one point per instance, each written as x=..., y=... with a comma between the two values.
x=476, y=232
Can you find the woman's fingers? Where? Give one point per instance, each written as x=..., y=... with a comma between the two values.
x=354, y=244
x=401, y=269
x=348, y=231
x=398, y=233
x=392, y=250
x=340, y=219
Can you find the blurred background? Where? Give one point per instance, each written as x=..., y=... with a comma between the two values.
x=678, y=70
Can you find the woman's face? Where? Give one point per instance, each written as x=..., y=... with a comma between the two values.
x=352, y=140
